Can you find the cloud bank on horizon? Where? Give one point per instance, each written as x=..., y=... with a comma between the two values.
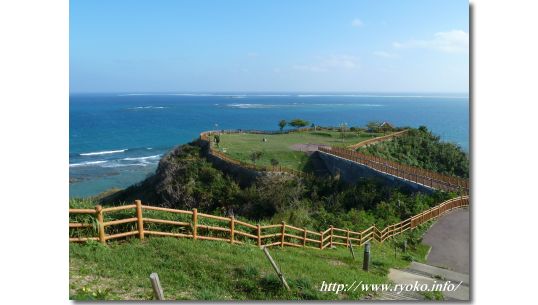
x=202, y=45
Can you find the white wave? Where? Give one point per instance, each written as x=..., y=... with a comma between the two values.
x=297, y=95
x=147, y=107
x=114, y=165
x=88, y=163
x=263, y=106
x=142, y=158
x=251, y=106
x=133, y=94
x=106, y=152
x=203, y=94
x=382, y=96
x=360, y=105
x=143, y=163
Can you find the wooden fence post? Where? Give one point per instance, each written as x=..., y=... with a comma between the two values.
x=100, y=222
x=304, y=237
x=321, y=240
x=258, y=227
x=140, y=219
x=282, y=234
x=232, y=228
x=351, y=250
x=156, y=284
x=366, y=259
x=331, y=237
x=277, y=270
x=347, y=239
x=195, y=223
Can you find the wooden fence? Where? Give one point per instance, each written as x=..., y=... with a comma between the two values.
x=414, y=174
x=229, y=229
x=377, y=139
x=205, y=136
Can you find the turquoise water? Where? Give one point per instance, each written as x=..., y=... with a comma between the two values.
x=117, y=139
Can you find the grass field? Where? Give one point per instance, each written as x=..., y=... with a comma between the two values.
x=279, y=146
x=208, y=270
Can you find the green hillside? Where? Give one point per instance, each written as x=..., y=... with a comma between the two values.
x=208, y=270
x=419, y=147
x=280, y=147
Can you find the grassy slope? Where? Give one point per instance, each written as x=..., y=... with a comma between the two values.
x=278, y=146
x=422, y=149
x=207, y=270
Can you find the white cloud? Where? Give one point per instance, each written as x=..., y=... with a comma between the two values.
x=334, y=62
x=357, y=23
x=455, y=41
x=385, y=54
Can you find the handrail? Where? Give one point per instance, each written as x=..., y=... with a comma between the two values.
x=420, y=176
x=377, y=139
x=227, y=231
x=204, y=136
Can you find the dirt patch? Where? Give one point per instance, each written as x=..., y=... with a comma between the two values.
x=308, y=147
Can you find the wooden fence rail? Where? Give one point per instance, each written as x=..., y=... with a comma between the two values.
x=228, y=229
x=414, y=174
x=205, y=136
x=377, y=139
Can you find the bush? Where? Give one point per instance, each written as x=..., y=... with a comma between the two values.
x=419, y=147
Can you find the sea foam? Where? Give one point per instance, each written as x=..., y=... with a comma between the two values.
x=106, y=152
x=88, y=163
x=142, y=158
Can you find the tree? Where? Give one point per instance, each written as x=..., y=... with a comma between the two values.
x=282, y=124
x=386, y=128
x=298, y=123
x=217, y=139
x=373, y=126
x=343, y=129
x=256, y=155
x=274, y=163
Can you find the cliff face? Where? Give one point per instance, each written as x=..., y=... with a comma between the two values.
x=169, y=186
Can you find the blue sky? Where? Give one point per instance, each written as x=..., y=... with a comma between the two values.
x=277, y=45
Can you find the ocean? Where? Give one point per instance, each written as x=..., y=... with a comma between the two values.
x=116, y=140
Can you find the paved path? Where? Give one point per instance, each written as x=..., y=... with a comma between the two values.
x=430, y=277
x=449, y=238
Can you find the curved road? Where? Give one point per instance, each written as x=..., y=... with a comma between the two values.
x=449, y=238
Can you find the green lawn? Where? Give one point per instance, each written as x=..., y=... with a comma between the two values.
x=208, y=270
x=279, y=146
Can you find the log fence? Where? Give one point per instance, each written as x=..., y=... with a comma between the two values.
x=417, y=175
x=205, y=137
x=228, y=229
x=414, y=174
x=377, y=139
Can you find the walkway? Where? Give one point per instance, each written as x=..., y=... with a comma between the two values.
x=449, y=238
x=448, y=260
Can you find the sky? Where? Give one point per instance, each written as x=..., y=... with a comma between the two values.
x=276, y=45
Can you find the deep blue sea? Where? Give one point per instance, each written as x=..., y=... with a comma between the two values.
x=116, y=140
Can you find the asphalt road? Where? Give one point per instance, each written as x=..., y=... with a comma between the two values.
x=449, y=238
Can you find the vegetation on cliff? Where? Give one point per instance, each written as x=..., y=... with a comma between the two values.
x=185, y=180
x=419, y=147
